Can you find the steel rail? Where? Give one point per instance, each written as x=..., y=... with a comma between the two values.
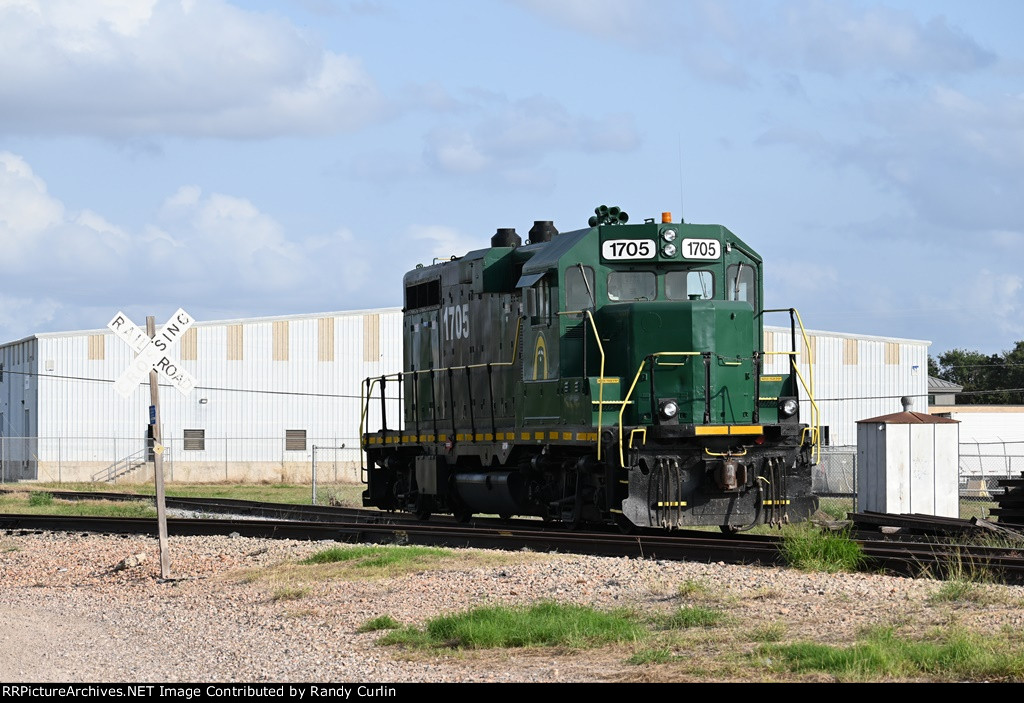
x=906, y=559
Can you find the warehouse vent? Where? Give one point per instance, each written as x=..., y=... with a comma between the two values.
x=371, y=337
x=295, y=440
x=280, y=340
x=234, y=342
x=97, y=347
x=325, y=339
x=195, y=440
x=188, y=345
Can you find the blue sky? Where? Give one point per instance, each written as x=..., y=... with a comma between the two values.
x=264, y=158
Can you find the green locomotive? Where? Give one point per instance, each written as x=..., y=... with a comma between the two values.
x=610, y=374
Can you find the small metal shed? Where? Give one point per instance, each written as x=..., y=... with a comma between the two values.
x=908, y=464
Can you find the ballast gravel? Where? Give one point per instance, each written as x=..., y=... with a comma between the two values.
x=92, y=608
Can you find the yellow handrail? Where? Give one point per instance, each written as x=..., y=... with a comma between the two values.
x=600, y=384
x=601, y=376
x=632, y=387
x=398, y=375
x=814, y=429
x=815, y=426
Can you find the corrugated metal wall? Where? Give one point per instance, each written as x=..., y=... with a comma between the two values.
x=255, y=380
x=855, y=377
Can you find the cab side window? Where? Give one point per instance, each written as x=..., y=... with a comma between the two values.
x=741, y=284
x=579, y=288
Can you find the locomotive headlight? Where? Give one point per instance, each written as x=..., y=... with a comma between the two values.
x=669, y=409
x=668, y=250
x=788, y=407
x=669, y=235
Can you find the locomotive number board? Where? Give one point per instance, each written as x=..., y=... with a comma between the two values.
x=646, y=249
x=620, y=249
x=709, y=249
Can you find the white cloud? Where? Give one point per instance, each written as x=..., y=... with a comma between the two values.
x=508, y=139
x=444, y=242
x=727, y=41
x=205, y=68
x=26, y=209
x=215, y=254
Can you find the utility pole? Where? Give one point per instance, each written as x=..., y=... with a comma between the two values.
x=158, y=460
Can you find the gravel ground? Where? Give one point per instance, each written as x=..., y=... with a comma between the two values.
x=235, y=613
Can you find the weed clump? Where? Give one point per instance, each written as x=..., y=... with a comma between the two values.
x=809, y=549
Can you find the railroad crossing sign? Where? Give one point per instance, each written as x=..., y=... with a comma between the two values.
x=153, y=353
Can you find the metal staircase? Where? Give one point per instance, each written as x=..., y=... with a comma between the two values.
x=122, y=467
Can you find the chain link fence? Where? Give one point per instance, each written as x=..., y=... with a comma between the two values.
x=331, y=466
x=334, y=482
x=981, y=466
x=834, y=481
x=186, y=459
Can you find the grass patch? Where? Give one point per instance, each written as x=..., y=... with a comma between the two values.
x=773, y=632
x=962, y=591
x=655, y=655
x=950, y=655
x=29, y=504
x=38, y=499
x=381, y=622
x=290, y=593
x=541, y=625
x=349, y=495
x=377, y=557
x=807, y=548
x=693, y=616
x=836, y=508
x=694, y=588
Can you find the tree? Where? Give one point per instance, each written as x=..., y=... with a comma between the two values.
x=987, y=380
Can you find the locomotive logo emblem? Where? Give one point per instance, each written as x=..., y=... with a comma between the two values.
x=540, y=358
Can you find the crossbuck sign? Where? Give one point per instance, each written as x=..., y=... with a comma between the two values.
x=153, y=353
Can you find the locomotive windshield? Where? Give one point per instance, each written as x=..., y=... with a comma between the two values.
x=680, y=285
x=632, y=285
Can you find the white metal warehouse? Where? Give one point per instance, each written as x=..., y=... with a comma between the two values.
x=269, y=389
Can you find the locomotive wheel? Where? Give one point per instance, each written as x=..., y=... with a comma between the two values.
x=463, y=515
x=422, y=514
x=505, y=516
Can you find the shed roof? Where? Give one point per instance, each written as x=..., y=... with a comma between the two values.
x=910, y=418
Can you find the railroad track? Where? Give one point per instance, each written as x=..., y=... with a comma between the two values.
x=909, y=559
